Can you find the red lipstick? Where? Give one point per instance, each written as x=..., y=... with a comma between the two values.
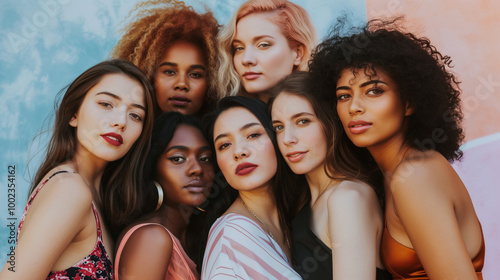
x=357, y=127
x=112, y=138
x=245, y=168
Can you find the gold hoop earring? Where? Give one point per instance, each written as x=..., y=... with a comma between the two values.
x=201, y=209
x=160, y=195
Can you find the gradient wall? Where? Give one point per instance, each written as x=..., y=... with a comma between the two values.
x=47, y=43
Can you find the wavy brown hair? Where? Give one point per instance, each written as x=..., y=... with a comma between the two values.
x=339, y=162
x=159, y=24
x=120, y=178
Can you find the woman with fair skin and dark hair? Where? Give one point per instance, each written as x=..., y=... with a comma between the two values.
x=251, y=240
x=397, y=98
x=176, y=48
x=337, y=234
x=179, y=172
x=101, y=130
x=262, y=43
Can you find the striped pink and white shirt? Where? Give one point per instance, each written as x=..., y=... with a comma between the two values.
x=238, y=248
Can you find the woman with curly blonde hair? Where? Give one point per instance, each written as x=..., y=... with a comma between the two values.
x=262, y=43
x=176, y=48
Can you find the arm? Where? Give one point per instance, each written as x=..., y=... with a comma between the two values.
x=423, y=202
x=146, y=254
x=53, y=221
x=354, y=224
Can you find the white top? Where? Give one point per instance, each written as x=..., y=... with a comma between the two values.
x=238, y=248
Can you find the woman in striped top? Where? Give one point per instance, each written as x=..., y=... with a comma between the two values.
x=251, y=239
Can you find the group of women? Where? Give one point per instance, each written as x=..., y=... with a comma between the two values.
x=249, y=152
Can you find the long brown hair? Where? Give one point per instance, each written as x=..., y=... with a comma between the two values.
x=120, y=177
x=340, y=162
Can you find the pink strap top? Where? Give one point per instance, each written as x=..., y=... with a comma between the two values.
x=180, y=267
x=96, y=265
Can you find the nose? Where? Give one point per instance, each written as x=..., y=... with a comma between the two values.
x=248, y=58
x=119, y=119
x=241, y=151
x=356, y=105
x=289, y=137
x=195, y=167
x=181, y=83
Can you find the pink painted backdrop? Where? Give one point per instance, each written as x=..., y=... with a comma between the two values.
x=468, y=32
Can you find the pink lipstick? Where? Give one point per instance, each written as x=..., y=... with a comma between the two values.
x=357, y=127
x=251, y=75
x=295, y=156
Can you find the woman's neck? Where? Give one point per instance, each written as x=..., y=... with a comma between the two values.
x=175, y=218
x=318, y=182
x=261, y=201
x=90, y=170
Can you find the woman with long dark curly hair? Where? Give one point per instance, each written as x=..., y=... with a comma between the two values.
x=396, y=97
x=176, y=47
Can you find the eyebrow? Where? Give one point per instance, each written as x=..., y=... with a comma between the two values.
x=184, y=148
x=294, y=116
x=194, y=66
x=246, y=126
x=112, y=95
x=256, y=38
x=363, y=84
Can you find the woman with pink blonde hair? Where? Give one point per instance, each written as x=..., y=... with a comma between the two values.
x=263, y=42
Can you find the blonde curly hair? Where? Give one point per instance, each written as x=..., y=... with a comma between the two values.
x=294, y=23
x=159, y=24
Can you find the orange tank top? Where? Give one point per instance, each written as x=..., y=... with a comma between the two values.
x=403, y=263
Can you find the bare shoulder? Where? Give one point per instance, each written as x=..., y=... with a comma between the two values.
x=423, y=173
x=347, y=192
x=153, y=234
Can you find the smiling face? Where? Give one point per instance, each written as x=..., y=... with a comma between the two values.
x=185, y=170
x=181, y=79
x=245, y=153
x=110, y=119
x=370, y=109
x=262, y=55
x=300, y=134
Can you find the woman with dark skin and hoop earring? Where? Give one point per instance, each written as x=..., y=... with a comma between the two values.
x=179, y=172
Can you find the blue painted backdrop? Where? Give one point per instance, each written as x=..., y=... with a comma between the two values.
x=46, y=44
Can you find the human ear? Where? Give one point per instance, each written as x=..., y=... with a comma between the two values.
x=73, y=122
x=408, y=109
x=299, y=55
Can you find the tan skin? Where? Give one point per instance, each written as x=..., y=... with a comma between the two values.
x=339, y=207
x=428, y=207
x=185, y=173
x=65, y=202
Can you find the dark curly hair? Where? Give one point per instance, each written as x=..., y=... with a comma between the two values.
x=421, y=73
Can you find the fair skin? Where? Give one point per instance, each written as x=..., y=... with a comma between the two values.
x=113, y=109
x=352, y=224
x=246, y=157
x=181, y=79
x=185, y=172
x=262, y=54
x=428, y=207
